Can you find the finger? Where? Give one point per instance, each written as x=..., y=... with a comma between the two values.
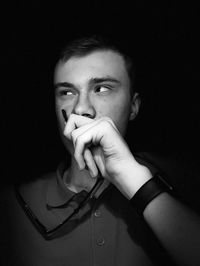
x=89, y=138
x=99, y=160
x=75, y=121
x=89, y=160
x=81, y=130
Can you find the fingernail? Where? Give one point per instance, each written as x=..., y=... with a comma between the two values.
x=81, y=166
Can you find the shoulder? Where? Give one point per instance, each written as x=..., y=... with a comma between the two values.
x=29, y=189
x=37, y=185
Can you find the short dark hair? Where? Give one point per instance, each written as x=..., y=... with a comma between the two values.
x=84, y=46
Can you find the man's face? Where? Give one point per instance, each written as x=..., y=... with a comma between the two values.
x=94, y=85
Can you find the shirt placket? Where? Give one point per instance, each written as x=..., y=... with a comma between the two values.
x=104, y=233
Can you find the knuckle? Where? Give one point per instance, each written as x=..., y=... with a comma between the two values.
x=71, y=116
x=71, y=119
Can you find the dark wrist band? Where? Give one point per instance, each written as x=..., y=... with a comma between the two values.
x=151, y=189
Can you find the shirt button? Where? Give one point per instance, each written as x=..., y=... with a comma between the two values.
x=100, y=241
x=97, y=213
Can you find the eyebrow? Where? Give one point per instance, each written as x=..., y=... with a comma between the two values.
x=104, y=79
x=63, y=84
x=92, y=81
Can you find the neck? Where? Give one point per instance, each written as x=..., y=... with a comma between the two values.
x=77, y=180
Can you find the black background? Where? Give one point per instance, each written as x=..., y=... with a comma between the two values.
x=163, y=37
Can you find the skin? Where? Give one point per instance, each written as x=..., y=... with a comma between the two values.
x=94, y=90
x=112, y=99
x=98, y=114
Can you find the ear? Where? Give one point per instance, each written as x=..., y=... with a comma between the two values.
x=135, y=106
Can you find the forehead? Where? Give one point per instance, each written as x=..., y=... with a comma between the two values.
x=95, y=64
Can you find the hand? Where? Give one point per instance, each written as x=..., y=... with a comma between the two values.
x=99, y=145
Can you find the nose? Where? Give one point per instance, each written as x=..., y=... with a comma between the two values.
x=84, y=106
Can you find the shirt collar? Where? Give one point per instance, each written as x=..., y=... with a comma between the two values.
x=57, y=192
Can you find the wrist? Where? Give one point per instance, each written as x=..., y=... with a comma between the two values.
x=132, y=178
x=148, y=192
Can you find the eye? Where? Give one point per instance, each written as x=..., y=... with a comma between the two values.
x=102, y=89
x=66, y=92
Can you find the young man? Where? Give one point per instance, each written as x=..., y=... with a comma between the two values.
x=131, y=210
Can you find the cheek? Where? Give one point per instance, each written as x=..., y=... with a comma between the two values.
x=61, y=126
x=60, y=118
x=122, y=114
x=119, y=112
x=68, y=107
x=121, y=119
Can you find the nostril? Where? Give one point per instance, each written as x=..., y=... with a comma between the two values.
x=88, y=115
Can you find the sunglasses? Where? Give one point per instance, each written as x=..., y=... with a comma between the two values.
x=75, y=204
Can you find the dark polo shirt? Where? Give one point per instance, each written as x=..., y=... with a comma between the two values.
x=107, y=230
